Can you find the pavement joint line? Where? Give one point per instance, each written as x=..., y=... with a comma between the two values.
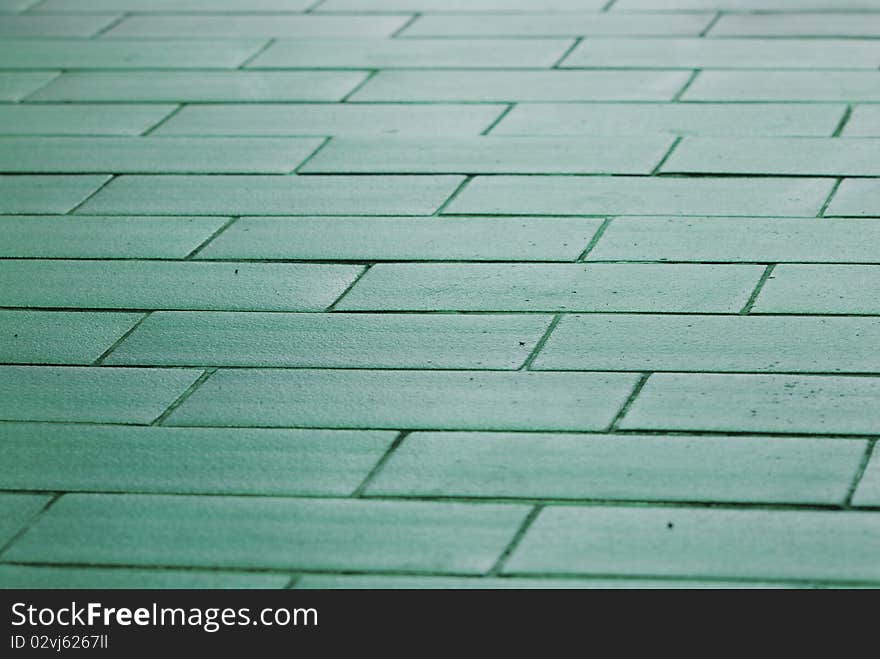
x=314, y=6
x=259, y=51
x=104, y=30
x=708, y=28
x=324, y=142
x=594, y=240
x=675, y=142
x=28, y=525
x=359, y=491
x=371, y=73
x=100, y=360
x=628, y=403
x=90, y=195
x=843, y=121
x=860, y=472
x=150, y=129
x=768, y=272
x=292, y=582
x=207, y=241
x=515, y=541
x=608, y=5
x=687, y=84
x=831, y=194
x=399, y=31
x=348, y=288
x=497, y=120
x=458, y=190
x=177, y=402
x=568, y=51
x=24, y=99
x=527, y=364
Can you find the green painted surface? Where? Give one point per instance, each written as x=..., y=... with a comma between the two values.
x=749, y=544
x=172, y=285
x=270, y=533
x=822, y=289
x=819, y=24
x=85, y=458
x=55, y=578
x=28, y=25
x=83, y=119
x=408, y=399
x=187, y=6
x=815, y=86
x=46, y=194
x=856, y=197
x=82, y=394
x=554, y=287
x=868, y=492
x=864, y=122
x=556, y=466
x=59, y=337
x=16, y=85
x=757, y=403
x=17, y=511
x=333, y=340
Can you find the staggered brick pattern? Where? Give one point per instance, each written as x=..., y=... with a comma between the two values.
x=439, y=293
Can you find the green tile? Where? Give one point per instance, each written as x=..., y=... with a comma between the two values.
x=273, y=195
x=405, y=238
x=174, y=6
x=46, y=194
x=81, y=394
x=404, y=582
x=15, y=86
x=553, y=287
x=756, y=240
x=116, y=54
x=522, y=86
x=674, y=542
x=742, y=5
x=757, y=403
x=789, y=156
x=62, y=236
x=466, y=400
x=172, y=285
x=817, y=289
x=61, y=578
x=16, y=5
x=69, y=119
x=812, y=86
x=279, y=25
x=822, y=24
x=858, y=198
x=411, y=53
x=58, y=337
x=229, y=155
x=463, y=6
x=490, y=155
x=571, y=195
x=868, y=491
x=270, y=533
x=333, y=340
x=768, y=344
x=607, y=467
x=724, y=53
x=31, y=25
x=337, y=119
x=722, y=119
x=201, y=86
x=864, y=122
x=16, y=511
x=87, y=458
x=556, y=24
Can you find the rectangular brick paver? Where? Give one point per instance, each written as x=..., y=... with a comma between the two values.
x=405, y=238
x=868, y=491
x=333, y=340
x=644, y=468
x=817, y=289
x=813, y=86
x=17, y=84
x=83, y=119
x=746, y=544
x=270, y=533
x=284, y=25
x=857, y=198
x=188, y=460
x=172, y=285
x=553, y=287
x=477, y=400
x=461, y=6
x=164, y=6
x=722, y=119
x=272, y=195
x=642, y=196
x=58, y=337
x=820, y=24
x=611, y=342
x=757, y=403
x=99, y=395
x=864, y=122
x=16, y=511
x=46, y=194
x=29, y=25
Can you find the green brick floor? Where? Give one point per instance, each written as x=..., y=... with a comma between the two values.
x=439, y=293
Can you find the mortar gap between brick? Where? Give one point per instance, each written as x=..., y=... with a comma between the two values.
x=594, y=240
x=292, y=582
x=412, y=19
x=747, y=307
x=567, y=52
x=666, y=155
x=527, y=364
x=91, y=195
x=262, y=49
x=860, y=472
x=324, y=142
x=360, y=489
x=100, y=360
x=847, y=113
x=207, y=373
x=111, y=25
x=370, y=75
x=715, y=19
x=455, y=193
x=608, y=5
x=498, y=119
x=360, y=276
x=27, y=526
x=515, y=541
x=831, y=194
x=686, y=85
x=207, y=241
x=313, y=7
x=643, y=379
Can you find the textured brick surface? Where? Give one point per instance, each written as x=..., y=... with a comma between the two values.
x=439, y=293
